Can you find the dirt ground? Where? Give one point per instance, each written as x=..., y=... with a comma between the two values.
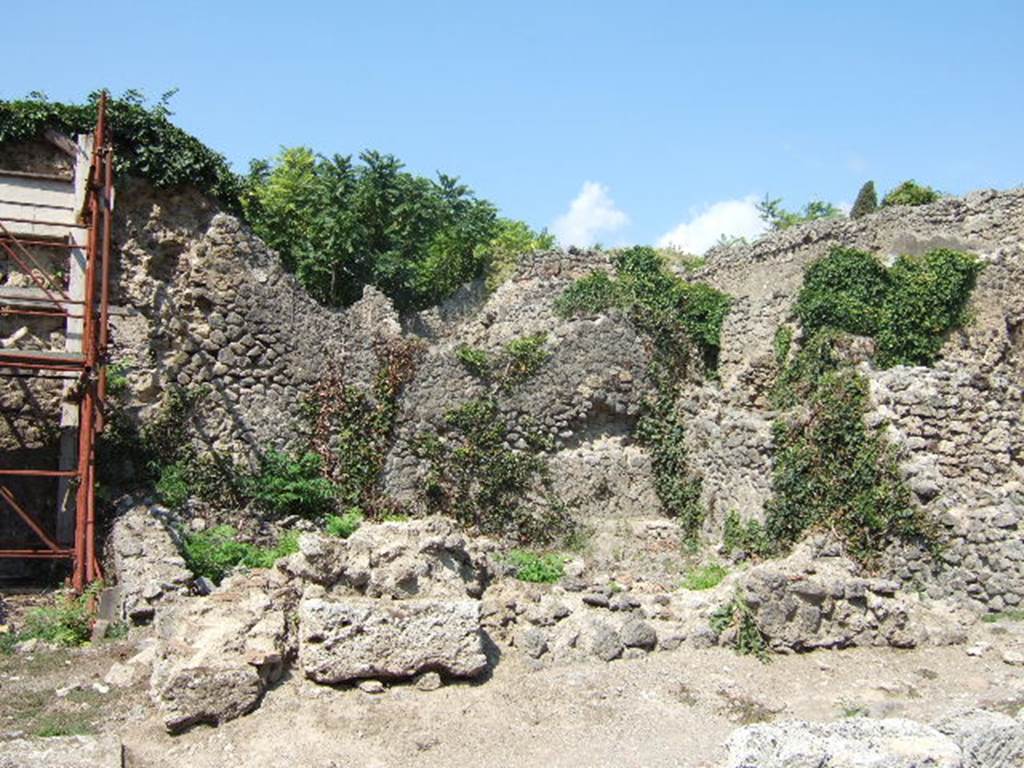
x=668, y=709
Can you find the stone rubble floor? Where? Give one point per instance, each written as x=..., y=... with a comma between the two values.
x=668, y=709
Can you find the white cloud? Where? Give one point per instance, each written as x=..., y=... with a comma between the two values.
x=592, y=213
x=733, y=218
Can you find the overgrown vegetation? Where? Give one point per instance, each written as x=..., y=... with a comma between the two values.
x=661, y=429
x=66, y=622
x=537, y=568
x=683, y=322
x=910, y=193
x=215, y=552
x=831, y=471
x=736, y=617
x=147, y=144
x=678, y=316
x=479, y=480
x=704, y=577
x=291, y=485
x=519, y=359
x=908, y=309
x=778, y=218
x=512, y=239
x=344, y=525
x=351, y=425
x=341, y=224
x=744, y=536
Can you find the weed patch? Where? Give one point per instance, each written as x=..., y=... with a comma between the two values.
x=537, y=568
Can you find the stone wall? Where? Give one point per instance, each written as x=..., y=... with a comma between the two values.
x=204, y=305
x=586, y=397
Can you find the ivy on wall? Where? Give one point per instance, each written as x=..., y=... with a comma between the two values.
x=683, y=322
x=831, y=471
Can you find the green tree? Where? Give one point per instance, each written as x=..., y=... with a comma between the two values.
x=778, y=218
x=910, y=193
x=341, y=225
x=866, y=202
x=513, y=239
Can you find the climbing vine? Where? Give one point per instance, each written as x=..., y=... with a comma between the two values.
x=832, y=471
x=683, y=322
x=352, y=425
x=476, y=475
x=147, y=144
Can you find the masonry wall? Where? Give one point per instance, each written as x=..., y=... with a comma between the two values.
x=205, y=305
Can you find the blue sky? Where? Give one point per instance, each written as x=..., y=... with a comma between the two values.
x=665, y=108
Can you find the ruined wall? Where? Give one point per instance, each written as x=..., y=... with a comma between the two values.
x=958, y=424
x=585, y=398
x=204, y=304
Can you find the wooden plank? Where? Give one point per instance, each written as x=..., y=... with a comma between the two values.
x=37, y=192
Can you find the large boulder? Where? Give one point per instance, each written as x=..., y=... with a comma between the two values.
x=415, y=559
x=987, y=739
x=215, y=656
x=350, y=639
x=815, y=599
x=851, y=743
x=149, y=568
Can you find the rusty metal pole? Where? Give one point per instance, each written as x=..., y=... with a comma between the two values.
x=84, y=499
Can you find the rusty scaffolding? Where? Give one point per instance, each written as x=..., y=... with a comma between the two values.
x=39, y=213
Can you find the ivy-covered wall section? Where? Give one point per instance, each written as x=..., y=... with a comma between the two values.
x=831, y=471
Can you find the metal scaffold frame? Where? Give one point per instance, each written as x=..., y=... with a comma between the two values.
x=85, y=231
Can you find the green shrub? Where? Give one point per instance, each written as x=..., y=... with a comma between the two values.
x=748, y=536
x=341, y=224
x=736, y=615
x=512, y=240
x=523, y=358
x=481, y=482
x=910, y=193
x=927, y=301
x=344, y=525
x=146, y=143
x=117, y=378
x=537, y=568
x=866, y=202
x=704, y=577
x=908, y=309
x=832, y=472
x=476, y=360
x=67, y=622
x=844, y=290
x=661, y=429
x=778, y=218
x=590, y=295
x=518, y=360
x=292, y=485
x=351, y=425
x=214, y=553
x=172, y=487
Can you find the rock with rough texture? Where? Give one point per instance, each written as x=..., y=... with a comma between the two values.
x=62, y=752
x=532, y=642
x=987, y=739
x=604, y=641
x=851, y=743
x=637, y=633
x=815, y=598
x=418, y=558
x=149, y=569
x=215, y=656
x=357, y=638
